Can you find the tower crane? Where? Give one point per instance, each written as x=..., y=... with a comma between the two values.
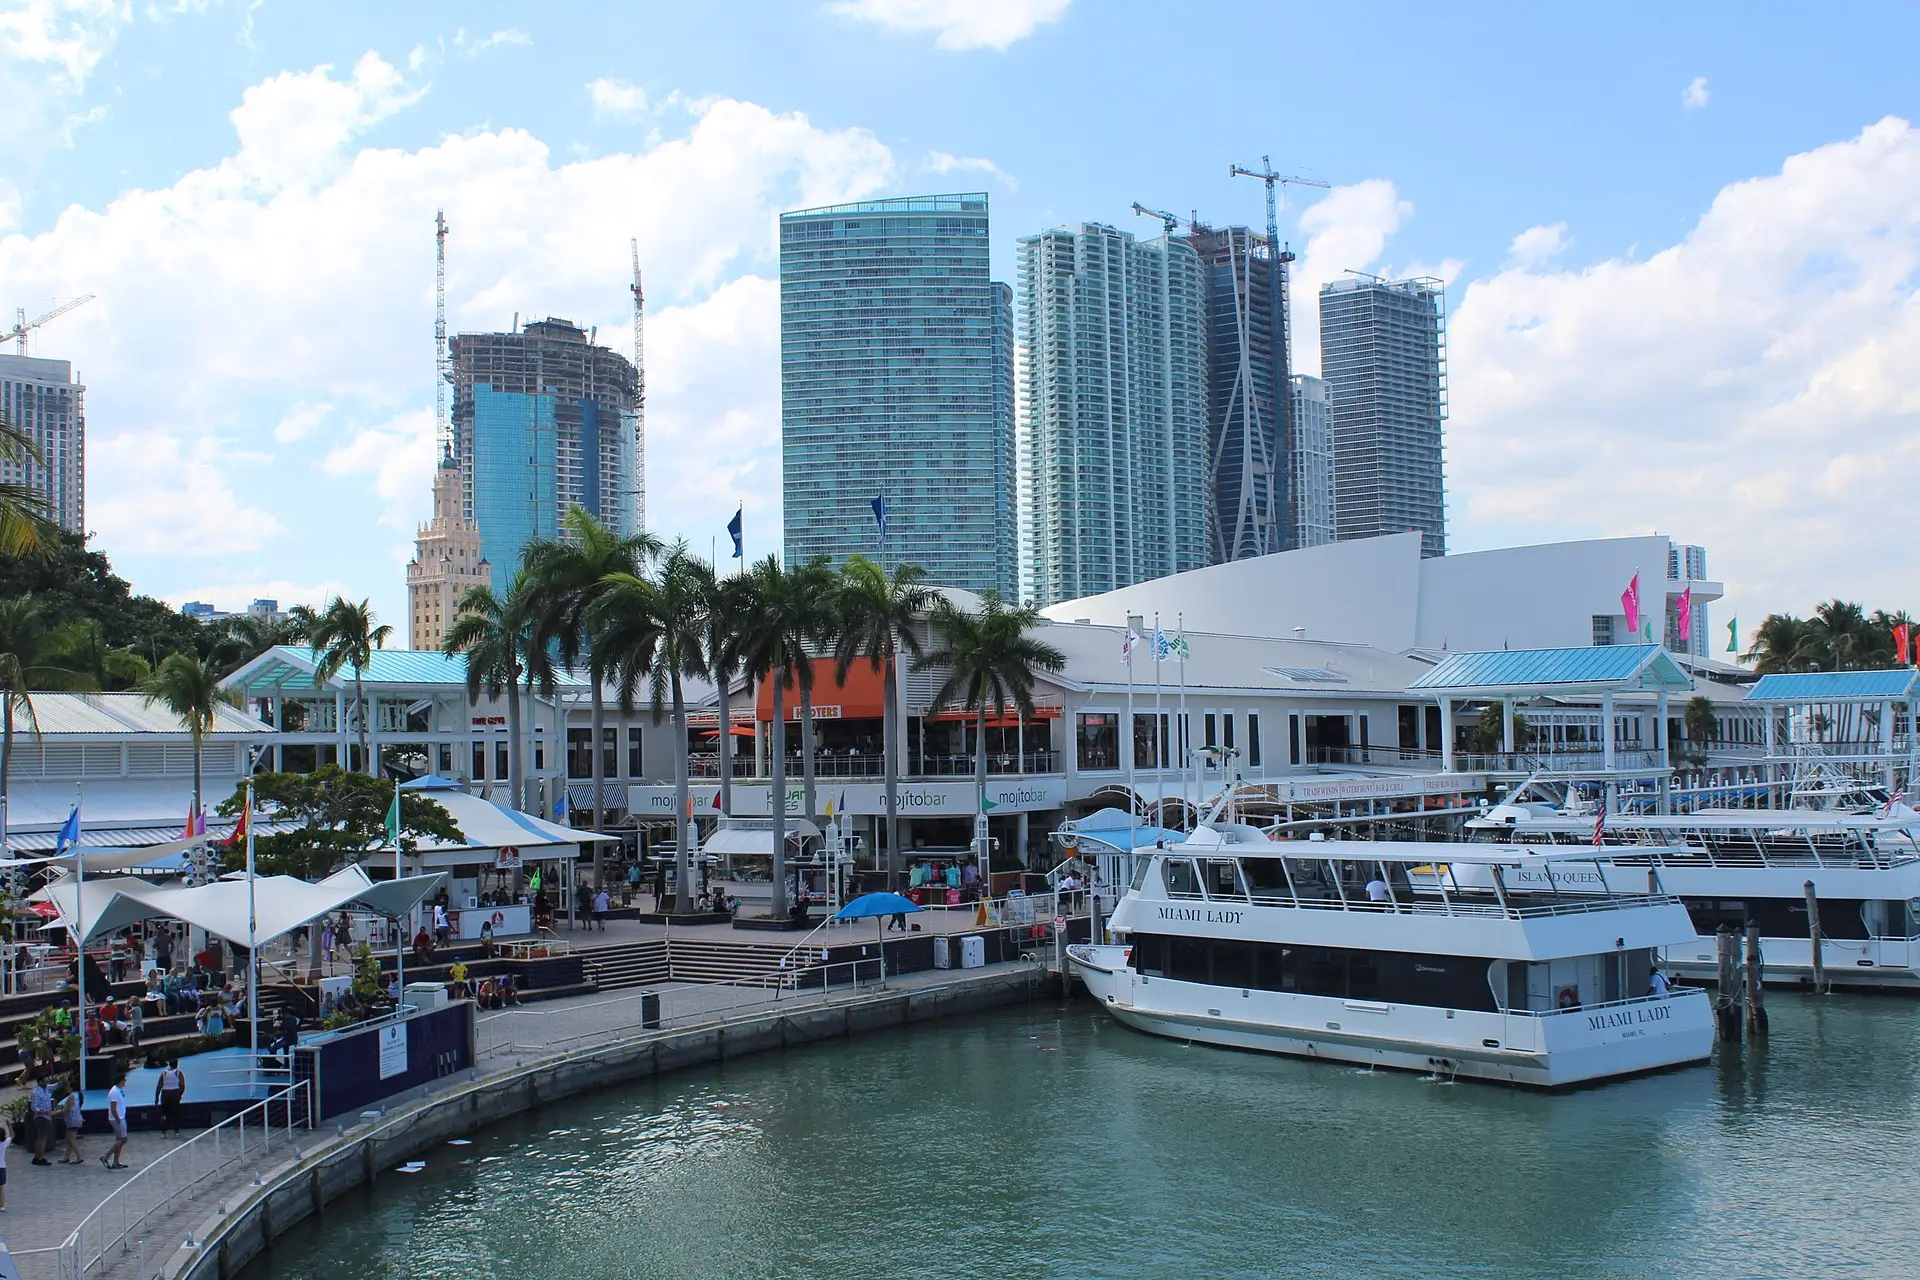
x=22, y=326
x=1171, y=222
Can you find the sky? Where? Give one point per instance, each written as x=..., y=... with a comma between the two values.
x=1681, y=251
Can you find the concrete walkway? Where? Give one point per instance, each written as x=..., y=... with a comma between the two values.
x=45, y=1204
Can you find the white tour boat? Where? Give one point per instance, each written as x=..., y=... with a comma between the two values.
x=1389, y=954
x=1735, y=865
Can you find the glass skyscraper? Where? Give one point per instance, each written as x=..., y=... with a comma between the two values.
x=42, y=400
x=543, y=420
x=896, y=381
x=1312, y=463
x=1115, y=412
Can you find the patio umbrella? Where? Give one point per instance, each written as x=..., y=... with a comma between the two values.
x=877, y=905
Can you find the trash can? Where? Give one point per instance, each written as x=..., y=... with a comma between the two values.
x=942, y=954
x=650, y=1010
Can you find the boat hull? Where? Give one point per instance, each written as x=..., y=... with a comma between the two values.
x=1560, y=1050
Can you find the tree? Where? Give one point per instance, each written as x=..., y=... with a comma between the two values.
x=878, y=621
x=657, y=629
x=24, y=527
x=566, y=575
x=816, y=600
x=345, y=636
x=341, y=817
x=1489, y=733
x=774, y=647
x=1701, y=722
x=236, y=641
x=1779, y=644
x=190, y=688
x=496, y=633
x=75, y=584
x=83, y=641
x=30, y=659
x=991, y=659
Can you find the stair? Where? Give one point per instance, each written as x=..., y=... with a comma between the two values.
x=626, y=964
x=693, y=961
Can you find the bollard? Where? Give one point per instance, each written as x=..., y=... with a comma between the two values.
x=1818, y=943
x=1756, y=1008
x=1726, y=1003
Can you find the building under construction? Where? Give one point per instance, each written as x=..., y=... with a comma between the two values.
x=543, y=419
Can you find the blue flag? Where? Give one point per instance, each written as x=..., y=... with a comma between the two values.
x=560, y=807
x=733, y=531
x=879, y=506
x=69, y=833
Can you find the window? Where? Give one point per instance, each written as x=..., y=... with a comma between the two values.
x=1181, y=880
x=499, y=760
x=609, y=752
x=579, y=763
x=1221, y=880
x=633, y=755
x=479, y=761
x=1602, y=629
x=1293, y=738
x=1097, y=740
x=1253, y=739
x=1226, y=725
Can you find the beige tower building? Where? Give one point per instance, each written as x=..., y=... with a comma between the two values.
x=446, y=561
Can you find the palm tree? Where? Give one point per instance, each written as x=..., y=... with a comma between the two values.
x=878, y=617
x=656, y=630
x=30, y=658
x=239, y=640
x=25, y=529
x=567, y=575
x=1701, y=721
x=727, y=605
x=774, y=647
x=496, y=634
x=190, y=688
x=1779, y=644
x=343, y=636
x=816, y=598
x=991, y=660
x=83, y=642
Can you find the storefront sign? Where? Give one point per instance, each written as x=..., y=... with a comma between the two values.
x=506, y=857
x=393, y=1050
x=916, y=799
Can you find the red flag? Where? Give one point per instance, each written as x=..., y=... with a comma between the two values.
x=239, y=836
x=1683, y=612
x=1630, y=604
x=1901, y=635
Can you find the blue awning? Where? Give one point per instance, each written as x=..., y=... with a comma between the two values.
x=1896, y=684
x=1594, y=669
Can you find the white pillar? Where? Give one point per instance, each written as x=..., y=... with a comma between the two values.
x=340, y=726
x=1886, y=739
x=1506, y=726
x=1446, y=735
x=372, y=712
x=1606, y=731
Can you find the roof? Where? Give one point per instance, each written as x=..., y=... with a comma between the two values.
x=1264, y=664
x=1835, y=686
x=276, y=905
x=119, y=714
x=486, y=825
x=1594, y=669
x=290, y=668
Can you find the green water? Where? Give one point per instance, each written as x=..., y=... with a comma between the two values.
x=1046, y=1141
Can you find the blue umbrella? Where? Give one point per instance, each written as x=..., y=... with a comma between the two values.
x=877, y=905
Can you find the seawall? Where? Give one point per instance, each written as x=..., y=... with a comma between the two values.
x=293, y=1189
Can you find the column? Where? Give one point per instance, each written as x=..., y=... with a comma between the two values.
x=1446, y=735
x=1886, y=740
x=1506, y=726
x=372, y=712
x=340, y=727
x=1663, y=746
x=1020, y=837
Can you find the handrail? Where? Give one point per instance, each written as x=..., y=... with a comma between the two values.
x=1454, y=905
x=180, y=1172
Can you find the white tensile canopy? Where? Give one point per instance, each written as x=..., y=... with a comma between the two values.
x=280, y=904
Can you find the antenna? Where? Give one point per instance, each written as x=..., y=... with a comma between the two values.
x=640, y=391
x=442, y=361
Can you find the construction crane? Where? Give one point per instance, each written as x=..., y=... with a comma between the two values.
x=22, y=326
x=640, y=390
x=1171, y=222
x=442, y=360
x=1280, y=309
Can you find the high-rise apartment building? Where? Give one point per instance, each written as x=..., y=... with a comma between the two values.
x=543, y=420
x=1383, y=355
x=1115, y=410
x=1312, y=463
x=896, y=382
x=41, y=399
x=447, y=560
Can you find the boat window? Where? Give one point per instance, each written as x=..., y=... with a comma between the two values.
x=1310, y=879
x=1233, y=964
x=1434, y=981
x=1141, y=866
x=1181, y=880
x=1188, y=959
x=1264, y=878
x=1223, y=880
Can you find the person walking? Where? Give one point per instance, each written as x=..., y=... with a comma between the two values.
x=74, y=1119
x=40, y=1118
x=167, y=1094
x=116, y=1121
x=601, y=904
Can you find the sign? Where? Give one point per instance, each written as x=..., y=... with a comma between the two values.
x=830, y=712
x=393, y=1050
x=506, y=857
x=955, y=799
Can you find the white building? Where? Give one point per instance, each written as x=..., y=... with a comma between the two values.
x=42, y=399
x=1312, y=459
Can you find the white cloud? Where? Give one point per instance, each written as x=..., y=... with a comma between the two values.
x=617, y=98
x=49, y=50
x=295, y=278
x=941, y=162
x=1695, y=94
x=960, y=24
x=1347, y=230
x=1537, y=246
x=473, y=48
x=1754, y=387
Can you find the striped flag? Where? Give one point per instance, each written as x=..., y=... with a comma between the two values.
x=1599, y=828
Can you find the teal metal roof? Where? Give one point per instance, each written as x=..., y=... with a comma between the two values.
x=290, y=667
x=1599, y=667
x=1835, y=686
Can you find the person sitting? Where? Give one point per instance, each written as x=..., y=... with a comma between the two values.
x=423, y=946
x=486, y=940
x=210, y=1021
x=489, y=994
x=96, y=1032
x=509, y=990
x=114, y=1021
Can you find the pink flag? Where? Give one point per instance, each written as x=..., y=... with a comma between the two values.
x=1630, y=602
x=1684, y=614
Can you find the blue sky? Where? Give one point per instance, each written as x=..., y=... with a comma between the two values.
x=1681, y=249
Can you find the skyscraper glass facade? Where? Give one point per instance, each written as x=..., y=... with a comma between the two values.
x=41, y=399
x=1115, y=411
x=1312, y=463
x=896, y=381
x=1383, y=355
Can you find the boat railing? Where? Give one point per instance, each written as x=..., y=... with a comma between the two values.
x=1518, y=907
x=1592, y=1006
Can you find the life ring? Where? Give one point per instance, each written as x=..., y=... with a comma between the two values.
x=1569, y=998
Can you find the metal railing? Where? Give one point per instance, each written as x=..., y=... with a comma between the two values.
x=1456, y=904
x=114, y=1228
x=1675, y=993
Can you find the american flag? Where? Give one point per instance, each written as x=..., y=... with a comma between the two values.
x=1599, y=828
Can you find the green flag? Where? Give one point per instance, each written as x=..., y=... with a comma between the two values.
x=987, y=804
x=1733, y=635
x=393, y=820
x=1178, y=645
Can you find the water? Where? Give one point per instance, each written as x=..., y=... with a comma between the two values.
x=1046, y=1141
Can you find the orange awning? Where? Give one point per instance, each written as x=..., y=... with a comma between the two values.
x=862, y=697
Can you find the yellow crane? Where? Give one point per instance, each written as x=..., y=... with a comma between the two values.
x=23, y=326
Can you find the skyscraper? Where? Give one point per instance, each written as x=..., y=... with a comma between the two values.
x=1383, y=355
x=1115, y=411
x=1247, y=452
x=41, y=399
x=1312, y=463
x=896, y=382
x=446, y=561
x=542, y=420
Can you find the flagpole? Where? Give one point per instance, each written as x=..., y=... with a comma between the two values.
x=1186, y=746
x=400, y=943
x=253, y=954
x=1127, y=745
x=1159, y=752
x=80, y=940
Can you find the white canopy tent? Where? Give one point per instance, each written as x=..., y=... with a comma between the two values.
x=489, y=829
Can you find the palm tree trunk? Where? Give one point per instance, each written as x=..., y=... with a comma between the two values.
x=682, y=797
x=890, y=762
x=360, y=714
x=198, y=741
x=778, y=795
x=597, y=728
x=980, y=781
x=514, y=778
x=806, y=754
x=726, y=743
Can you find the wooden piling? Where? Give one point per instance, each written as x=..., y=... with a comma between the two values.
x=1726, y=999
x=1813, y=937
x=1756, y=1007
